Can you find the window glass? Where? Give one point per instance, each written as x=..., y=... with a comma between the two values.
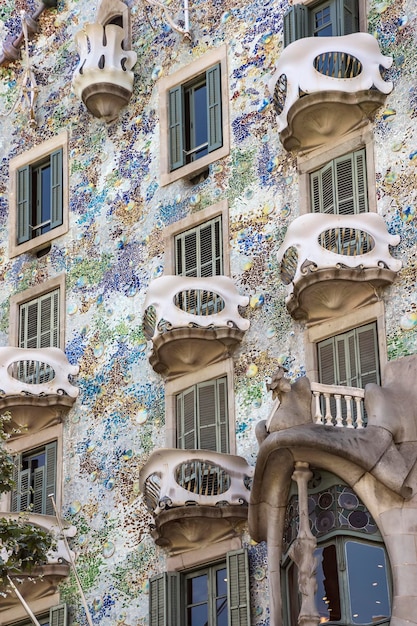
x=328, y=593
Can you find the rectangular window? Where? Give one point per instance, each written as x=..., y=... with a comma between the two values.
x=199, y=251
x=202, y=417
x=195, y=118
x=340, y=186
x=35, y=479
x=350, y=359
x=326, y=19
x=216, y=595
x=39, y=195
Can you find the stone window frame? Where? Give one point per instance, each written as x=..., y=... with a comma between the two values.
x=307, y=164
x=31, y=294
x=30, y=157
x=173, y=387
x=314, y=334
x=180, y=77
x=191, y=221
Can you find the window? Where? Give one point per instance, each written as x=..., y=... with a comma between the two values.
x=353, y=573
x=325, y=19
x=39, y=195
x=199, y=251
x=35, y=480
x=215, y=595
x=57, y=617
x=193, y=117
x=202, y=417
x=340, y=186
x=350, y=359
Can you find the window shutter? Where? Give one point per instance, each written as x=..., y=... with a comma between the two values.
x=49, y=320
x=164, y=599
x=323, y=189
x=207, y=416
x=295, y=24
x=15, y=499
x=238, y=598
x=326, y=362
x=341, y=343
x=348, y=16
x=50, y=477
x=38, y=495
x=23, y=205
x=176, y=148
x=186, y=420
x=58, y=615
x=199, y=251
x=23, y=487
x=214, y=108
x=56, y=189
x=368, y=357
x=361, y=185
x=223, y=419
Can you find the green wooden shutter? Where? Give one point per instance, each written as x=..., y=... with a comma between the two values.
x=15, y=496
x=187, y=420
x=24, y=489
x=199, y=251
x=164, y=600
x=23, y=204
x=39, y=322
x=326, y=361
x=295, y=24
x=56, y=189
x=38, y=495
x=238, y=597
x=176, y=130
x=322, y=187
x=58, y=615
x=350, y=182
x=368, y=357
x=214, y=108
x=207, y=408
x=348, y=16
x=50, y=477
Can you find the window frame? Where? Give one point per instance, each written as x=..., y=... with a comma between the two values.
x=33, y=293
x=51, y=615
x=180, y=79
x=23, y=163
x=32, y=494
x=223, y=369
x=318, y=159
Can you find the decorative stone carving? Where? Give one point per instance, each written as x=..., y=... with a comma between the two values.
x=103, y=78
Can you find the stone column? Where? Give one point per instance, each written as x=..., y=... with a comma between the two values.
x=302, y=550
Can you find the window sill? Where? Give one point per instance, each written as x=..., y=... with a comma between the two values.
x=191, y=170
x=33, y=245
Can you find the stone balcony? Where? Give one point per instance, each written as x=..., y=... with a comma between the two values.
x=325, y=87
x=197, y=497
x=192, y=322
x=44, y=579
x=35, y=387
x=332, y=264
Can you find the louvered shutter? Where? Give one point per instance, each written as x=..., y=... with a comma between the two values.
x=56, y=189
x=348, y=16
x=326, y=362
x=238, y=598
x=342, y=351
x=50, y=477
x=368, y=358
x=23, y=204
x=176, y=130
x=58, y=615
x=207, y=416
x=164, y=600
x=323, y=190
x=38, y=495
x=223, y=418
x=352, y=360
x=199, y=251
x=214, y=108
x=350, y=172
x=24, y=489
x=39, y=322
x=187, y=420
x=15, y=496
x=295, y=24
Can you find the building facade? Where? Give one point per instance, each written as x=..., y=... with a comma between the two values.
x=208, y=316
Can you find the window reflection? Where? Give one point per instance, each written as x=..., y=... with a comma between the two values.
x=367, y=578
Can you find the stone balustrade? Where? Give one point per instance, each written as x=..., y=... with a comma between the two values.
x=36, y=372
x=335, y=405
x=176, y=478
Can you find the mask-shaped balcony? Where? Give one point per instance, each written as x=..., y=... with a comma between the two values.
x=35, y=387
x=325, y=87
x=103, y=80
x=332, y=264
x=197, y=497
x=42, y=580
x=192, y=322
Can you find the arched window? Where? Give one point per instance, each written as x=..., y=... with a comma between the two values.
x=353, y=574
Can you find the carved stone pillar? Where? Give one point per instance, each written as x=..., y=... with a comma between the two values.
x=302, y=550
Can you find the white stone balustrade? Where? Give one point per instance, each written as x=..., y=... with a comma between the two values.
x=298, y=60
x=305, y=233
x=104, y=71
x=168, y=296
x=335, y=405
x=36, y=371
x=49, y=524
x=210, y=477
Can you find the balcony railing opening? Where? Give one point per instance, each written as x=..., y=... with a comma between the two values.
x=280, y=94
x=152, y=491
x=289, y=265
x=199, y=302
x=202, y=478
x=346, y=241
x=337, y=65
x=338, y=406
x=31, y=372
